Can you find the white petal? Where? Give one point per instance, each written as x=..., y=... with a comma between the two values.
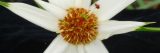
x=35, y=15
x=63, y=3
x=71, y=49
x=57, y=11
x=57, y=46
x=109, y=8
x=106, y=29
x=83, y=3
x=81, y=49
x=96, y=47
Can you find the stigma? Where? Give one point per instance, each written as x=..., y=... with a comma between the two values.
x=79, y=26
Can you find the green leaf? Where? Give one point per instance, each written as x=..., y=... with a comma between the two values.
x=149, y=29
x=5, y=4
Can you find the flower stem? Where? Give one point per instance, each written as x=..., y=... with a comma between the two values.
x=149, y=29
x=5, y=4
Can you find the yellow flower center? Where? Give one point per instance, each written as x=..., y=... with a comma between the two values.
x=79, y=26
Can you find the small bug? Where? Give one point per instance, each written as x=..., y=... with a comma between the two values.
x=97, y=6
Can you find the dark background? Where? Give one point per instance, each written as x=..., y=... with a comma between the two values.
x=20, y=36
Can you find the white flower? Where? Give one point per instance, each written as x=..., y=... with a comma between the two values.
x=81, y=25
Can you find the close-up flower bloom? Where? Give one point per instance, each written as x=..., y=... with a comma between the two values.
x=80, y=25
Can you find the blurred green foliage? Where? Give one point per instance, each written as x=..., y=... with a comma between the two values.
x=145, y=4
